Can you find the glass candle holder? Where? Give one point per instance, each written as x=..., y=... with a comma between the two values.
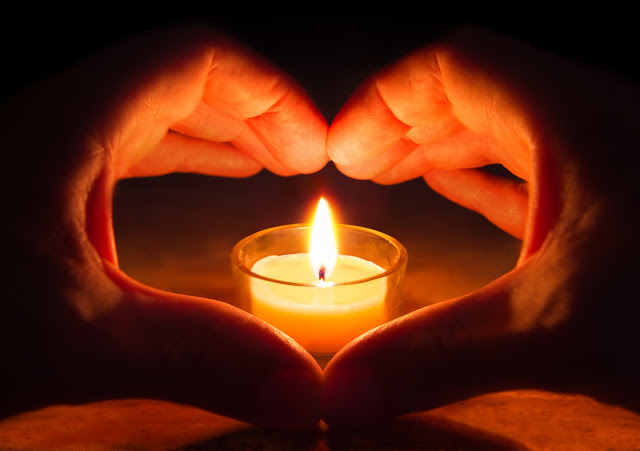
x=322, y=317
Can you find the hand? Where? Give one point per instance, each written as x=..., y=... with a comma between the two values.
x=565, y=317
x=74, y=327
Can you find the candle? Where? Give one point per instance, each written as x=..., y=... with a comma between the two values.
x=328, y=311
x=294, y=278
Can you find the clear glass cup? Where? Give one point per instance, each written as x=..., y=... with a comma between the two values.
x=321, y=318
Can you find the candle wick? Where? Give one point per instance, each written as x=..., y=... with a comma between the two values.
x=321, y=273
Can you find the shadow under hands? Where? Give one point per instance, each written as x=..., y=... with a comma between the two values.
x=416, y=433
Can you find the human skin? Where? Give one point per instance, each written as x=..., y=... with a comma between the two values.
x=565, y=318
x=75, y=328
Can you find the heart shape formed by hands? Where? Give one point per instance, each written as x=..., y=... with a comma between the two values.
x=188, y=100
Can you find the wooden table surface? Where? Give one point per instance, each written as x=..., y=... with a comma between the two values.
x=176, y=233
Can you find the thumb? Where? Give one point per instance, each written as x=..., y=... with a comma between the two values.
x=208, y=354
x=440, y=354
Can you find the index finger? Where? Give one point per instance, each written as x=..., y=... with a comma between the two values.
x=249, y=111
x=273, y=106
x=436, y=108
x=231, y=110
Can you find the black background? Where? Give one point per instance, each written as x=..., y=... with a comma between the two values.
x=328, y=50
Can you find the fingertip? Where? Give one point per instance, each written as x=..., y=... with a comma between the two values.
x=386, y=179
x=352, y=171
x=295, y=133
x=336, y=136
x=312, y=165
x=313, y=144
x=437, y=180
x=363, y=129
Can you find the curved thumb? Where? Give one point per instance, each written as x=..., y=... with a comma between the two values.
x=208, y=354
x=435, y=356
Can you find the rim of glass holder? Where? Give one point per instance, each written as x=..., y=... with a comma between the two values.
x=395, y=266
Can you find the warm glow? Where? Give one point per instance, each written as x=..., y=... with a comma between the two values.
x=323, y=244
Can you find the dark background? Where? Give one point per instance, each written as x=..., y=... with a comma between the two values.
x=328, y=50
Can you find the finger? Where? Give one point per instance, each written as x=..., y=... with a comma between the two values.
x=464, y=150
x=208, y=354
x=396, y=153
x=275, y=108
x=363, y=129
x=209, y=123
x=438, y=355
x=179, y=153
x=367, y=137
x=429, y=97
x=171, y=74
x=502, y=201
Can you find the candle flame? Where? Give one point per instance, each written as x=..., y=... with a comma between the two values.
x=323, y=244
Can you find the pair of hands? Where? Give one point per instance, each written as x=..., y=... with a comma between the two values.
x=75, y=328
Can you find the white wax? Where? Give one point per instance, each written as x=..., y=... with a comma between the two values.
x=325, y=317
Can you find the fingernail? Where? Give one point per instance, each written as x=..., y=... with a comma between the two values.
x=290, y=398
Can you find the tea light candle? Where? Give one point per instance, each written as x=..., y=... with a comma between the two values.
x=293, y=277
x=321, y=299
